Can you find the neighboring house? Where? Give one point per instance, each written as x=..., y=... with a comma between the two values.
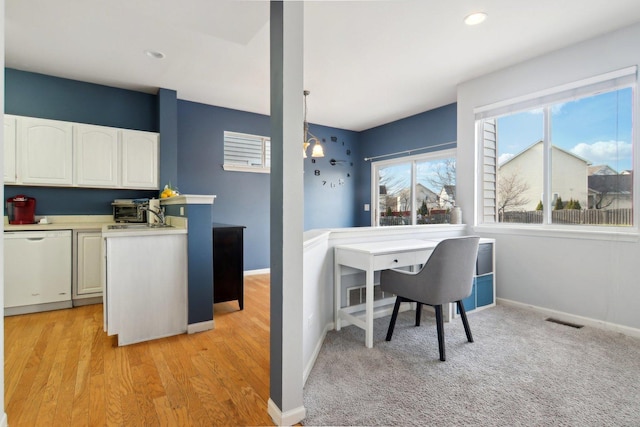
x=447, y=197
x=601, y=170
x=425, y=194
x=610, y=191
x=569, y=175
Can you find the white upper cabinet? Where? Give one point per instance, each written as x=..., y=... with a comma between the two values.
x=10, y=137
x=45, y=152
x=57, y=153
x=96, y=156
x=139, y=159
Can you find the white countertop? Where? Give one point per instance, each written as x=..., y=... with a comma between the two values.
x=98, y=223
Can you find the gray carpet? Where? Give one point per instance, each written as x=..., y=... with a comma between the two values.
x=520, y=371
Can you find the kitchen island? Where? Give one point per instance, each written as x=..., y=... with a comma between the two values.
x=145, y=281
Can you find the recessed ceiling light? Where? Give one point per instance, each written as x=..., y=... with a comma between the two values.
x=154, y=54
x=475, y=18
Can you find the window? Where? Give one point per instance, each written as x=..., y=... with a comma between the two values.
x=564, y=157
x=247, y=153
x=414, y=190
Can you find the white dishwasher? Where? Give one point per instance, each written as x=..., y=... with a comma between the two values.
x=37, y=271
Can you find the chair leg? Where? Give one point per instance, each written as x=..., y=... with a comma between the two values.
x=418, y=313
x=463, y=314
x=394, y=316
x=440, y=326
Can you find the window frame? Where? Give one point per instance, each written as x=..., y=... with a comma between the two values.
x=266, y=153
x=615, y=80
x=413, y=159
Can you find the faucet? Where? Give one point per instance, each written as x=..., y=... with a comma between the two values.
x=159, y=214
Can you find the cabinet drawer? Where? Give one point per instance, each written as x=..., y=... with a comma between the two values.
x=382, y=262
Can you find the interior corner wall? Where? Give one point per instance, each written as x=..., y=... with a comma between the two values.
x=242, y=198
x=437, y=126
x=580, y=274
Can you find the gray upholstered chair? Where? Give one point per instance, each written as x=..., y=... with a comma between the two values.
x=446, y=277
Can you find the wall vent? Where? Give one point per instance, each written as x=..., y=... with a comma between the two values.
x=562, y=322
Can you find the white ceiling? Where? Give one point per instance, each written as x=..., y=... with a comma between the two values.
x=366, y=63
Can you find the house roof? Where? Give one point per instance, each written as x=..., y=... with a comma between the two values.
x=366, y=63
x=612, y=184
x=601, y=170
x=554, y=147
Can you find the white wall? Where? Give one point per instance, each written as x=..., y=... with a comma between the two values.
x=583, y=274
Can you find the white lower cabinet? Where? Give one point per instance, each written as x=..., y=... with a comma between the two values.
x=37, y=272
x=88, y=283
x=145, y=286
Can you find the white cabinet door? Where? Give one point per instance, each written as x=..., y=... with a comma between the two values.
x=89, y=263
x=96, y=156
x=139, y=159
x=45, y=152
x=10, y=133
x=37, y=267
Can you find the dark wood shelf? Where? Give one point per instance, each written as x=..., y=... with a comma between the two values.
x=228, y=263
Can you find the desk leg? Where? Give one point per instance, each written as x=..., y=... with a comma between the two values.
x=337, y=292
x=369, y=309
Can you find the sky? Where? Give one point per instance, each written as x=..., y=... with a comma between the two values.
x=596, y=128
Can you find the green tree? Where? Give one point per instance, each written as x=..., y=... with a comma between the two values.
x=389, y=211
x=559, y=205
x=423, y=208
x=539, y=207
x=573, y=204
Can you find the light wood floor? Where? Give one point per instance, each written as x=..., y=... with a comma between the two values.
x=61, y=369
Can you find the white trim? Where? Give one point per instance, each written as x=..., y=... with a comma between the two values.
x=240, y=168
x=607, y=326
x=256, y=272
x=200, y=327
x=189, y=199
x=288, y=418
x=3, y=421
x=601, y=233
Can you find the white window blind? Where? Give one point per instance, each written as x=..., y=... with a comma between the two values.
x=602, y=83
x=247, y=153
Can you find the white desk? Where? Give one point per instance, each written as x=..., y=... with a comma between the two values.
x=372, y=257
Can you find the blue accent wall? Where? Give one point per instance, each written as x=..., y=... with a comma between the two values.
x=329, y=198
x=432, y=127
x=242, y=198
x=200, y=249
x=168, y=117
x=48, y=97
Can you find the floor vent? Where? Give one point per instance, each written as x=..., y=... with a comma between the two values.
x=562, y=322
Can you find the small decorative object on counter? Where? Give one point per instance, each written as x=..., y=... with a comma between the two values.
x=456, y=215
x=168, y=191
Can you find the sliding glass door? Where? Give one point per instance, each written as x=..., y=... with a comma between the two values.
x=414, y=190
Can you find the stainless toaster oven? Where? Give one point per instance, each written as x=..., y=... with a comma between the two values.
x=130, y=210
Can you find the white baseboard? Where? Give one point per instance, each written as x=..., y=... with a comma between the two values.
x=587, y=321
x=200, y=327
x=3, y=421
x=316, y=351
x=288, y=418
x=259, y=271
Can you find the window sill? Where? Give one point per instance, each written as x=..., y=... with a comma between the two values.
x=237, y=168
x=601, y=233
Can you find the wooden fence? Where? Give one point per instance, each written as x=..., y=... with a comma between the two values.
x=619, y=217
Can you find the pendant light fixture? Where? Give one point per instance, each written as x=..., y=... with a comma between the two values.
x=309, y=138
